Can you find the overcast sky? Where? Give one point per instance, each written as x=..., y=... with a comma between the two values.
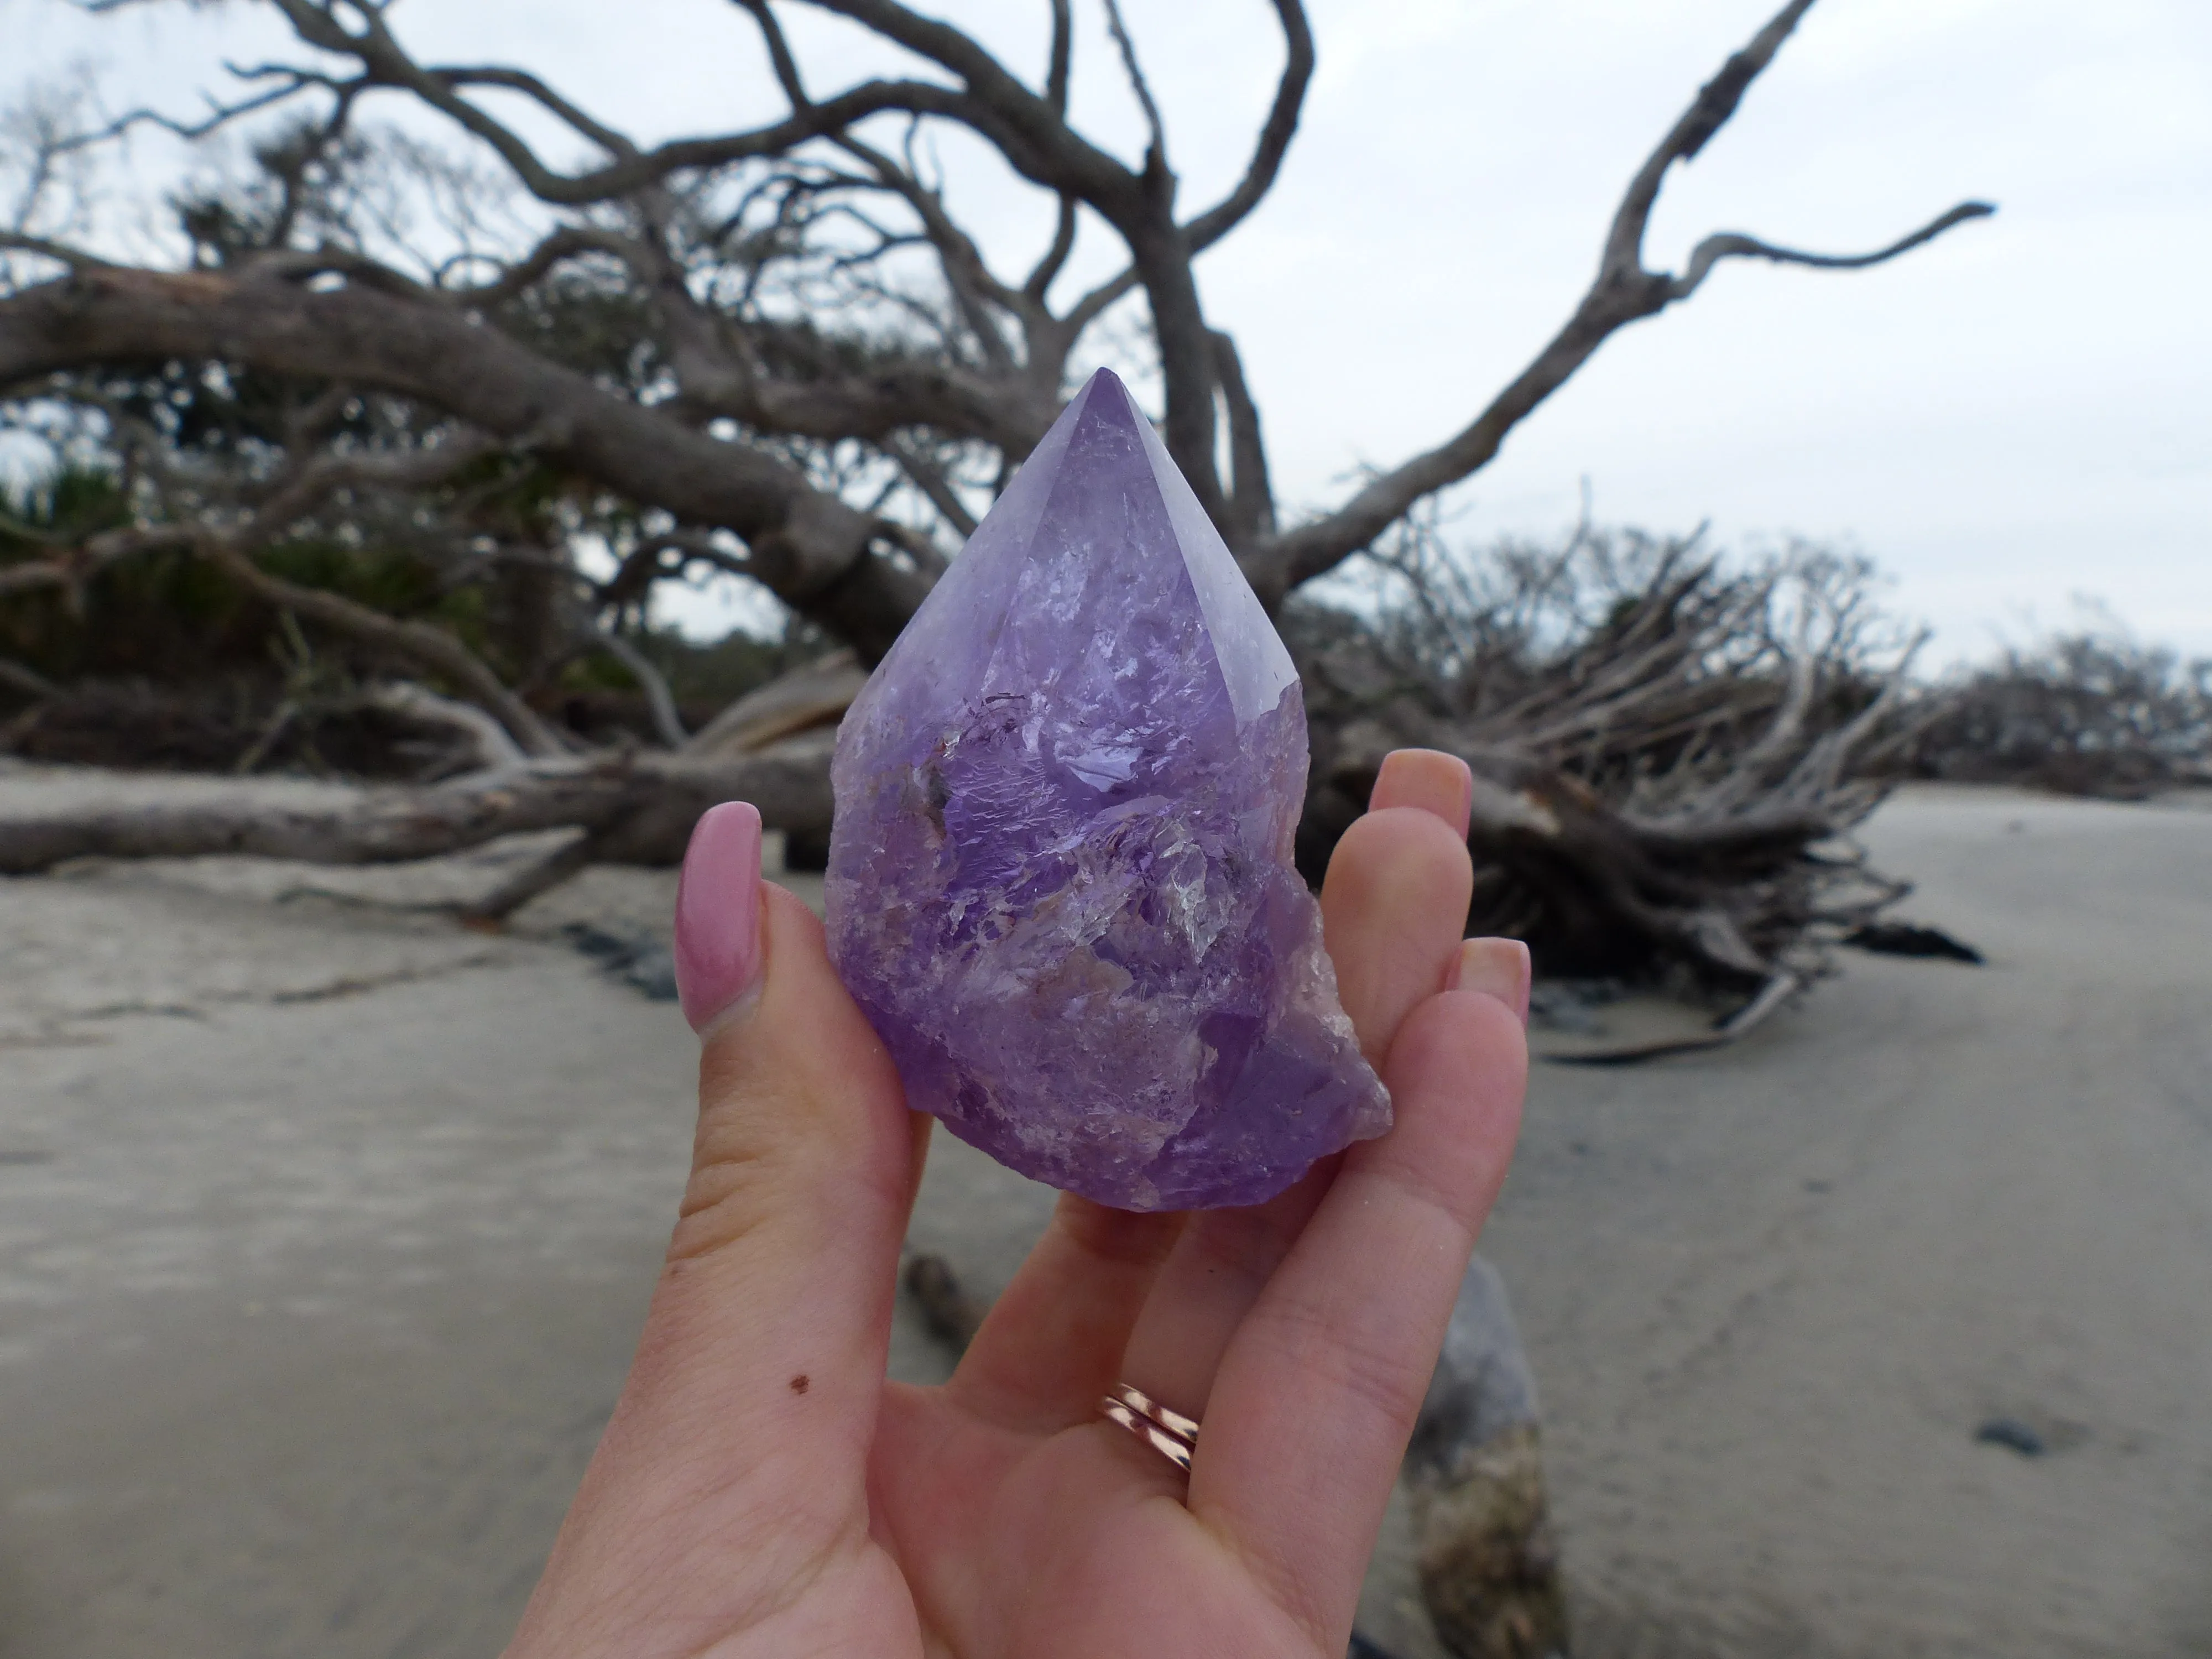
x=2017, y=414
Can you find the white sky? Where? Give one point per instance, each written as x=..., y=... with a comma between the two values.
x=2017, y=414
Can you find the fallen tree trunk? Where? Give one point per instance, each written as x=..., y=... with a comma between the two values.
x=639, y=809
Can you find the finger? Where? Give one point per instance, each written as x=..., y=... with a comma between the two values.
x=1206, y=1287
x=1393, y=904
x=784, y=1261
x=1500, y=967
x=1316, y=1395
x=1394, y=908
x=1052, y=1344
x=765, y=1339
x=1429, y=779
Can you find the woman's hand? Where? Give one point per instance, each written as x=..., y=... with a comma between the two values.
x=761, y=1490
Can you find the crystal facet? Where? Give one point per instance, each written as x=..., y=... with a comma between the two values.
x=1059, y=883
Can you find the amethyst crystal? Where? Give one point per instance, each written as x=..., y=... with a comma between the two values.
x=1060, y=883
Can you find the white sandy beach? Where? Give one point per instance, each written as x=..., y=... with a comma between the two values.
x=325, y=1228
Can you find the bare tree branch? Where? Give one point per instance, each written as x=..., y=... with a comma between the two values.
x=27, y=682
x=544, y=97
x=642, y=806
x=75, y=565
x=1059, y=66
x=647, y=562
x=1730, y=245
x=1062, y=56
x=558, y=246
x=569, y=860
x=1156, y=153
x=1709, y=112
x=1033, y=135
x=1250, y=502
x=931, y=480
x=1274, y=142
x=1055, y=256
x=1037, y=142
x=1094, y=304
x=75, y=259
x=974, y=288
x=293, y=80
x=385, y=64
x=779, y=54
x=662, y=706
x=488, y=741
x=420, y=643
x=814, y=695
x=1624, y=292
x=811, y=549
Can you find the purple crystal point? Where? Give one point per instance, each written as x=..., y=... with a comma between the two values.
x=1059, y=883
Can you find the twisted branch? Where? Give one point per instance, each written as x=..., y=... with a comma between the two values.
x=1624, y=292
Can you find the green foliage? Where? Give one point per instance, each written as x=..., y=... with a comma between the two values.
x=169, y=616
x=707, y=678
x=69, y=502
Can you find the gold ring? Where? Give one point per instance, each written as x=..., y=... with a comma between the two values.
x=1170, y=1433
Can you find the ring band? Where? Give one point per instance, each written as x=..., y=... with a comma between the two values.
x=1170, y=1433
x=1183, y=1428
x=1177, y=1452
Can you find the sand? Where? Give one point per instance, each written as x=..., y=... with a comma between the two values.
x=325, y=1229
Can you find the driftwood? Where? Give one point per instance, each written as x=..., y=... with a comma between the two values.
x=1489, y=1561
x=1771, y=998
x=638, y=808
x=1901, y=938
x=952, y=1316
x=1669, y=753
x=814, y=695
x=1600, y=892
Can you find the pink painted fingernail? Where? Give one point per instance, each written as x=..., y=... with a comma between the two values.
x=1499, y=967
x=1429, y=779
x=718, y=897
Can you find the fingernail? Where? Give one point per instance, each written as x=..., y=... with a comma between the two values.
x=1499, y=967
x=1429, y=779
x=718, y=954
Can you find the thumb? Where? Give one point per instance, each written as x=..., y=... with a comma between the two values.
x=748, y=1410
x=799, y=1102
